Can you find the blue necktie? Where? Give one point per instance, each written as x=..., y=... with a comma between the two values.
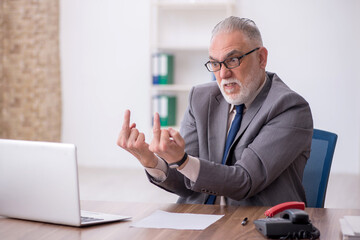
x=235, y=126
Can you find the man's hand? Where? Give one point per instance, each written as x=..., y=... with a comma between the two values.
x=133, y=141
x=167, y=143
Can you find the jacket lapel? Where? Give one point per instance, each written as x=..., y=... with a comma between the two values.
x=218, y=118
x=217, y=122
x=254, y=108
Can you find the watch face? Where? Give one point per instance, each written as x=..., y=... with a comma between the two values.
x=174, y=165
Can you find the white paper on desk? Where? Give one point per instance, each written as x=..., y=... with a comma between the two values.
x=184, y=221
x=347, y=231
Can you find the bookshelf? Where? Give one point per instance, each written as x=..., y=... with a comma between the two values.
x=182, y=29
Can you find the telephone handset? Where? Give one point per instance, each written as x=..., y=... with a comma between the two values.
x=283, y=206
x=292, y=224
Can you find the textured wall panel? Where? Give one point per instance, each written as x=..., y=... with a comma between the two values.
x=30, y=91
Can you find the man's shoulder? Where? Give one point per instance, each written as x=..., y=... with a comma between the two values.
x=206, y=91
x=277, y=83
x=278, y=86
x=203, y=93
x=279, y=89
x=211, y=87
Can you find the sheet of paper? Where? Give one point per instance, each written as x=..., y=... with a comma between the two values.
x=345, y=228
x=184, y=221
x=354, y=223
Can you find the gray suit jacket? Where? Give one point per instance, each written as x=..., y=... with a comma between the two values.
x=266, y=161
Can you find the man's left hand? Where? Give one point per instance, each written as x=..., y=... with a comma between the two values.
x=167, y=143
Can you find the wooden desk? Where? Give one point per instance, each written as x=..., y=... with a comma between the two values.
x=228, y=227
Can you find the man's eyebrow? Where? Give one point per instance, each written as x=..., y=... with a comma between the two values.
x=229, y=54
x=233, y=52
x=213, y=59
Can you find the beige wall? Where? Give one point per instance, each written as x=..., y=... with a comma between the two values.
x=30, y=91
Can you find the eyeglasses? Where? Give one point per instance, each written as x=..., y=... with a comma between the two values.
x=229, y=63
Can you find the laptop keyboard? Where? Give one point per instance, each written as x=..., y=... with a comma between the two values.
x=89, y=219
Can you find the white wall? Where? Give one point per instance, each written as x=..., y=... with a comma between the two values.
x=105, y=70
x=313, y=46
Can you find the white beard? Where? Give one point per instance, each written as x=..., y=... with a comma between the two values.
x=244, y=95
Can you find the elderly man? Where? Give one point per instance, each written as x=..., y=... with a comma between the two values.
x=244, y=139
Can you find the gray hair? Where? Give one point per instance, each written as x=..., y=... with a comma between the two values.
x=244, y=25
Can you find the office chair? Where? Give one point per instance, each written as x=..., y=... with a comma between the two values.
x=317, y=169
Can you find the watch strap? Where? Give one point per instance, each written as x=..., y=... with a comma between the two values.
x=179, y=163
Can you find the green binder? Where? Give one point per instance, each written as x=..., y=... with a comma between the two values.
x=166, y=106
x=166, y=68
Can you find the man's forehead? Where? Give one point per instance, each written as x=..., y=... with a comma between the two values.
x=226, y=44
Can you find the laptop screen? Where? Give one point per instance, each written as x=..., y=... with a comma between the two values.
x=39, y=181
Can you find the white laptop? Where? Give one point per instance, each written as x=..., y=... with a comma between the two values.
x=39, y=182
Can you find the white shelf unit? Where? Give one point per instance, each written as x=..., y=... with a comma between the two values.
x=183, y=29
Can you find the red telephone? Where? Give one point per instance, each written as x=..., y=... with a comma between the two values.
x=293, y=223
x=283, y=206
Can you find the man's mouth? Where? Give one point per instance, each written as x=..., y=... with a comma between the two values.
x=230, y=88
x=230, y=84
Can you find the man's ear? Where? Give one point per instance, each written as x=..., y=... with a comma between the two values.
x=263, y=53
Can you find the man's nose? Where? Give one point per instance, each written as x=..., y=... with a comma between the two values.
x=225, y=72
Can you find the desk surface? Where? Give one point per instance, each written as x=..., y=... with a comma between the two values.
x=228, y=227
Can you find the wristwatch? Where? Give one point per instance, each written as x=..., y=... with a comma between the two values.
x=179, y=163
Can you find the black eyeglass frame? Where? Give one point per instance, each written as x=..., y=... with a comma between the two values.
x=223, y=62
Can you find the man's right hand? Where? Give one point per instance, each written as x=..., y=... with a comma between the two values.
x=133, y=141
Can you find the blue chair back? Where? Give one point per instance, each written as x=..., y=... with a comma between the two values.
x=317, y=169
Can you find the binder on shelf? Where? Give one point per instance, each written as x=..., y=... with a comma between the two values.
x=163, y=68
x=166, y=68
x=165, y=105
x=155, y=68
